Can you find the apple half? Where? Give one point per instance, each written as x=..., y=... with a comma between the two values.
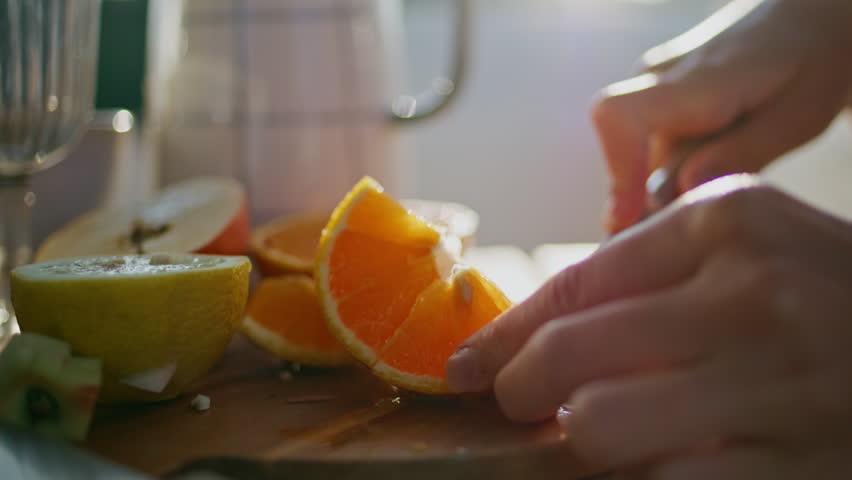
x=200, y=215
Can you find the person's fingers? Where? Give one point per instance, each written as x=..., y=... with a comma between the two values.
x=736, y=463
x=629, y=337
x=745, y=389
x=764, y=134
x=623, y=139
x=650, y=257
x=627, y=113
x=669, y=412
x=660, y=253
x=758, y=462
x=626, y=475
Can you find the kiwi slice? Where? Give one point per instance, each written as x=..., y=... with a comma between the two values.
x=46, y=389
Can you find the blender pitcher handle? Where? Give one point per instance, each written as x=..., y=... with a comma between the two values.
x=407, y=109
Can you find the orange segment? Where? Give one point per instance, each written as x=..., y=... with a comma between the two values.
x=444, y=316
x=356, y=254
x=380, y=303
x=384, y=279
x=378, y=215
x=284, y=316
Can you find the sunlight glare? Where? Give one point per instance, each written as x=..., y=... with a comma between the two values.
x=631, y=85
x=719, y=187
x=701, y=33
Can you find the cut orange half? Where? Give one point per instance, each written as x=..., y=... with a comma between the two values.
x=288, y=244
x=394, y=292
x=284, y=316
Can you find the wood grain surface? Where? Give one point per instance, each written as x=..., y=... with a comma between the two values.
x=271, y=420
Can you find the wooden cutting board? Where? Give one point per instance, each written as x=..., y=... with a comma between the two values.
x=268, y=421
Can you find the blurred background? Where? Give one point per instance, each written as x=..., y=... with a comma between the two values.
x=291, y=96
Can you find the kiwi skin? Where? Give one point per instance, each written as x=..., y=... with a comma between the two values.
x=45, y=389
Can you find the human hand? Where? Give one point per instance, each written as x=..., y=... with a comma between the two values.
x=774, y=77
x=713, y=341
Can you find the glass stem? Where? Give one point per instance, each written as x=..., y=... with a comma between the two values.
x=16, y=204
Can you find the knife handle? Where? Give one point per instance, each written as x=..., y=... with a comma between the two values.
x=661, y=187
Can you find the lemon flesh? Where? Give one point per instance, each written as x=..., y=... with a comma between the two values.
x=158, y=322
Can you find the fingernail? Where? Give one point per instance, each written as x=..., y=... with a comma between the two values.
x=563, y=416
x=661, y=189
x=657, y=181
x=464, y=371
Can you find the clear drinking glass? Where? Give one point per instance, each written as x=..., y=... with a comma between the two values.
x=48, y=57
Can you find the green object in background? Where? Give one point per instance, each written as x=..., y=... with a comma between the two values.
x=121, y=63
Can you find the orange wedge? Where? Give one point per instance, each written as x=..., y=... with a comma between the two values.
x=284, y=317
x=393, y=291
x=289, y=244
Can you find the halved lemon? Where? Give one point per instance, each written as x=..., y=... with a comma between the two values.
x=158, y=322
